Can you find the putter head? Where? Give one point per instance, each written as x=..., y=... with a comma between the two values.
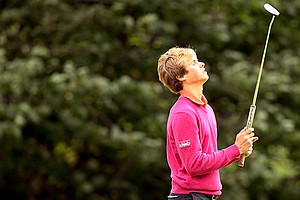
x=271, y=9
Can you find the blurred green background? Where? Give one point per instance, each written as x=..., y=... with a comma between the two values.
x=83, y=115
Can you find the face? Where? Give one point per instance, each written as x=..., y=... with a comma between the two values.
x=196, y=72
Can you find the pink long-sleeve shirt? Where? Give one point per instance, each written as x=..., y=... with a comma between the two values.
x=192, y=152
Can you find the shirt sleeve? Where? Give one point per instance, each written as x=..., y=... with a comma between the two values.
x=189, y=147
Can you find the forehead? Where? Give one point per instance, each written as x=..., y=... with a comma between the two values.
x=191, y=51
x=193, y=54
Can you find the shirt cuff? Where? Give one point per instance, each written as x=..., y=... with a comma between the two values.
x=234, y=151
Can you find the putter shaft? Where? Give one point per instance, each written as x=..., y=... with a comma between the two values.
x=251, y=114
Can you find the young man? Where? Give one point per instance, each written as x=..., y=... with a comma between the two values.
x=192, y=152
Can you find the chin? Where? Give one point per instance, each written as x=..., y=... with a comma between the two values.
x=206, y=79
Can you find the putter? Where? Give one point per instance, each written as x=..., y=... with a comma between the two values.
x=252, y=109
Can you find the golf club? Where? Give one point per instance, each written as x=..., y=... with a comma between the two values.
x=251, y=114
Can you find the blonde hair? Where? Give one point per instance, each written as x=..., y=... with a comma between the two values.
x=172, y=65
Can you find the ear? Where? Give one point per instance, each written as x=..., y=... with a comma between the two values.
x=181, y=78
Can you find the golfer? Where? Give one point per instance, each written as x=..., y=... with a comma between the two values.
x=192, y=150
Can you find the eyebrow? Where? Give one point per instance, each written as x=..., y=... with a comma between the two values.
x=195, y=59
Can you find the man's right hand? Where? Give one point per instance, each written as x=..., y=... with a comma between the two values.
x=244, y=141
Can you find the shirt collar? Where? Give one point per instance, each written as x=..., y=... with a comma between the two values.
x=202, y=101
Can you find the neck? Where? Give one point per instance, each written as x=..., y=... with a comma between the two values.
x=196, y=91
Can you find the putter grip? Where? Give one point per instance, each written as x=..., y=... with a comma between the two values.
x=251, y=114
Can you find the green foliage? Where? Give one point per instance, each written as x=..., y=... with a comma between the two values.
x=83, y=115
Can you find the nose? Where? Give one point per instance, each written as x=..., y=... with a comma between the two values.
x=202, y=64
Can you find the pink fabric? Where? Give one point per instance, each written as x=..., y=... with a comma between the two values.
x=192, y=151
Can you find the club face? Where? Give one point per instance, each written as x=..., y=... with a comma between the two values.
x=271, y=9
